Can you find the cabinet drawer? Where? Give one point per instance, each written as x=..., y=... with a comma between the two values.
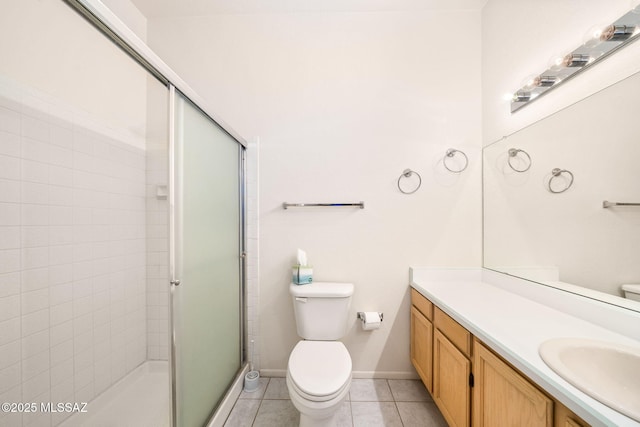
x=421, y=303
x=457, y=334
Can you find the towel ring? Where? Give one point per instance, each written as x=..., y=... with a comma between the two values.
x=513, y=152
x=407, y=174
x=555, y=173
x=450, y=153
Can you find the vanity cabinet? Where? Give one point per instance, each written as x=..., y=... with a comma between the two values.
x=470, y=383
x=503, y=397
x=422, y=338
x=451, y=370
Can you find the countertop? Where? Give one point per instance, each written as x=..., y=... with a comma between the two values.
x=514, y=327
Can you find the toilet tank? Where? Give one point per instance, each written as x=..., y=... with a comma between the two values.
x=321, y=309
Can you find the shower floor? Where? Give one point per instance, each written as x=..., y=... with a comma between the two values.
x=140, y=399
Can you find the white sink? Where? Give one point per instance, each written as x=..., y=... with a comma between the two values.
x=610, y=373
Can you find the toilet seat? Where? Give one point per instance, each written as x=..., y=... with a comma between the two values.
x=319, y=370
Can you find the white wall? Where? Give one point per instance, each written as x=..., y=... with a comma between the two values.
x=520, y=37
x=343, y=103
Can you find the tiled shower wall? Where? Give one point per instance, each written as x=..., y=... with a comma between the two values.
x=157, y=251
x=72, y=256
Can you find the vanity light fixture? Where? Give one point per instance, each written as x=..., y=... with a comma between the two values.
x=618, y=33
x=601, y=43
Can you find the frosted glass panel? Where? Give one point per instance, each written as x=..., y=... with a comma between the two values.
x=207, y=302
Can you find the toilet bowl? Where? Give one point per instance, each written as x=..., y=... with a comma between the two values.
x=319, y=368
x=318, y=379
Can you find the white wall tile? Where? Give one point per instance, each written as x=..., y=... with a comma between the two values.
x=35, y=128
x=9, y=354
x=36, y=386
x=35, y=343
x=10, y=191
x=35, y=257
x=35, y=322
x=9, y=284
x=9, y=121
x=34, y=215
x=10, y=377
x=9, y=167
x=34, y=279
x=9, y=237
x=34, y=300
x=61, y=333
x=34, y=236
x=9, y=307
x=9, y=214
x=9, y=330
x=9, y=144
x=37, y=151
x=61, y=313
x=59, y=274
x=34, y=365
x=34, y=172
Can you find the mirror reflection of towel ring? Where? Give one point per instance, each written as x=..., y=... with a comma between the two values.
x=513, y=153
x=556, y=173
x=407, y=174
x=450, y=153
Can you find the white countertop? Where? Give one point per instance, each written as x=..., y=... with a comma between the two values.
x=514, y=327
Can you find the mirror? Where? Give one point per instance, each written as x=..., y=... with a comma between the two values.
x=568, y=239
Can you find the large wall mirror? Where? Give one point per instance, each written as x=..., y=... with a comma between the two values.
x=567, y=239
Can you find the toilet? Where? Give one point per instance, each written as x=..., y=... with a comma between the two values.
x=631, y=291
x=319, y=368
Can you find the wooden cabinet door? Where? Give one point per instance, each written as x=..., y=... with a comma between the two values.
x=563, y=417
x=504, y=398
x=422, y=347
x=451, y=390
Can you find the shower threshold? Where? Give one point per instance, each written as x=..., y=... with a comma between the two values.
x=140, y=399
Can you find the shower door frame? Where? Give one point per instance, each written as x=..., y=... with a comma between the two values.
x=175, y=280
x=113, y=28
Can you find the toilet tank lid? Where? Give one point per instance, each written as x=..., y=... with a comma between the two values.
x=632, y=287
x=322, y=290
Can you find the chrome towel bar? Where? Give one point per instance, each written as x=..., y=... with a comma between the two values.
x=286, y=205
x=606, y=204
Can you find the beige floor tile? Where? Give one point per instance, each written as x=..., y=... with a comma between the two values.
x=277, y=389
x=243, y=413
x=277, y=413
x=409, y=391
x=258, y=393
x=343, y=416
x=370, y=390
x=420, y=414
x=375, y=414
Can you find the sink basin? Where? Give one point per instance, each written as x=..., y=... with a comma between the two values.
x=610, y=373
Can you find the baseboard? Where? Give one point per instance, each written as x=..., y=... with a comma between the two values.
x=388, y=375
x=223, y=411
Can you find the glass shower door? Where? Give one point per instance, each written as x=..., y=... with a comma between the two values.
x=206, y=248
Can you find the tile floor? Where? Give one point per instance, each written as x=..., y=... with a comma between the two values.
x=371, y=403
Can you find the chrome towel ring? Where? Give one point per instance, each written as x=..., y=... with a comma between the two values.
x=513, y=153
x=449, y=154
x=556, y=173
x=407, y=174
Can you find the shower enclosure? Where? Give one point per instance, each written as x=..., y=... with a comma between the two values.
x=121, y=232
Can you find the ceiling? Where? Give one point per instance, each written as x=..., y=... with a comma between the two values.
x=166, y=8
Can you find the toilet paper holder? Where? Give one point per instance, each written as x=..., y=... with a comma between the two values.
x=360, y=315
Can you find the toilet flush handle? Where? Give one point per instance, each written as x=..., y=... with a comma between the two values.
x=301, y=299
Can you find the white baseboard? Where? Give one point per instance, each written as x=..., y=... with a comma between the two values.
x=388, y=375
